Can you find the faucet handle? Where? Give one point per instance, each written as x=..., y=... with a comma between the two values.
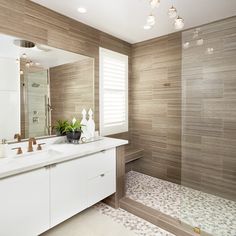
x=18, y=137
x=40, y=146
x=19, y=150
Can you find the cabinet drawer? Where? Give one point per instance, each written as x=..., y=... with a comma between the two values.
x=101, y=187
x=101, y=162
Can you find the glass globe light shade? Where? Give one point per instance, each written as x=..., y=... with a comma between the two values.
x=179, y=23
x=172, y=12
x=151, y=20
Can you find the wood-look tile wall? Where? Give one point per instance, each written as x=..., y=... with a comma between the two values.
x=155, y=93
x=155, y=117
x=209, y=110
x=183, y=108
x=26, y=19
x=71, y=89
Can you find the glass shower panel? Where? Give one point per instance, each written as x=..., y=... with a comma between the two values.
x=208, y=175
x=37, y=94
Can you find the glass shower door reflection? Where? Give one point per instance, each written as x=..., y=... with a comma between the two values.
x=37, y=94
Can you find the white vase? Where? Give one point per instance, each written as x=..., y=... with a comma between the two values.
x=84, y=124
x=91, y=124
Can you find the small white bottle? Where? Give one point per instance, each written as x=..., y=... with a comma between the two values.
x=91, y=124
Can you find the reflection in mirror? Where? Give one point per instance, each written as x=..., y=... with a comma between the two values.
x=40, y=85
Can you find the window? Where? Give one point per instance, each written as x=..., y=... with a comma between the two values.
x=113, y=92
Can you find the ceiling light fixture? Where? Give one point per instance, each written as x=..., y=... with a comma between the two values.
x=179, y=23
x=172, y=12
x=154, y=3
x=151, y=20
x=27, y=64
x=82, y=10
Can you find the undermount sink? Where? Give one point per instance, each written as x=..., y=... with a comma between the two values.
x=37, y=154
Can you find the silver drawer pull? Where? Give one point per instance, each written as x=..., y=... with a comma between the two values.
x=102, y=175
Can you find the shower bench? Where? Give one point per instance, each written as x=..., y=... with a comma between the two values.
x=132, y=154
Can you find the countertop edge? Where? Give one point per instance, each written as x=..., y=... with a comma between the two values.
x=62, y=158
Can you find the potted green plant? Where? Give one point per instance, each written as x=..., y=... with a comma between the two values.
x=73, y=131
x=60, y=127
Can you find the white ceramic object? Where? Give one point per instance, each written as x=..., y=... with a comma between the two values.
x=84, y=124
x=91, y=124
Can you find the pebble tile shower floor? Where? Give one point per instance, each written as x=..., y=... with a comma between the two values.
x=213, y=214
x=133, y=223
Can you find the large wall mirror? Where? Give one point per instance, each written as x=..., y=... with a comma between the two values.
x=40, y=85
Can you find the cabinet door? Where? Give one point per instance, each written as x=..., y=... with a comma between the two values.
x=24, y=204
x=68, y=190
x=101, y=176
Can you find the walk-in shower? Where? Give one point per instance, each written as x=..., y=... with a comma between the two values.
x=184, y=119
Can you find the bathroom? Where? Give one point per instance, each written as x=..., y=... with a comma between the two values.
x=162, y=97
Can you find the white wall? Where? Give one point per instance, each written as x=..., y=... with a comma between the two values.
x=9, y=98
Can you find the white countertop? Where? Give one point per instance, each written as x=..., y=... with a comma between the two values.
x=56, y=153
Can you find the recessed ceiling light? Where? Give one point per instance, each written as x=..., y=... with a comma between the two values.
x=147, y=27
x=82, y=10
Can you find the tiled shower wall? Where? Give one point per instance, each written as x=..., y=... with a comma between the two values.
x=209, y=109
x=155, y=106
x=183, y=108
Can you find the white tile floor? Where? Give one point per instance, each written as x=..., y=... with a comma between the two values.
x=89, y=223
x=212, y=214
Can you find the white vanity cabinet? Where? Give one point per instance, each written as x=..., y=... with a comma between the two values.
x=68, y=189
x=33, y=202
x=24, y=203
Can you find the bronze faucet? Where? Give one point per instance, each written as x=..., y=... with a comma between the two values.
x=18, y=137
x=32, y=141
x=19, y=150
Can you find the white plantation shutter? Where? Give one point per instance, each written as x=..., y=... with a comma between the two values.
x=113, y=92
